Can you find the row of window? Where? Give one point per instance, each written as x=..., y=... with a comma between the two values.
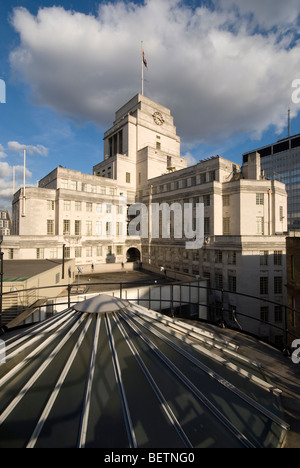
x=101, y=228
x=77, y=186
x=184, y=183
x=79, y=252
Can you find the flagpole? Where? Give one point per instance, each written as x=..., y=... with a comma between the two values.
x=142, y=69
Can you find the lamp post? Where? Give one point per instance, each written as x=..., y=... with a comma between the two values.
x=1, y=279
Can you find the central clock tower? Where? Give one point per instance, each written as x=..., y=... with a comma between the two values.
x=141, y=144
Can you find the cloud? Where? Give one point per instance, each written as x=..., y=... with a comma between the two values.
x=3, y=155
x=18, y=147
x=218, y=73
x=6, y=182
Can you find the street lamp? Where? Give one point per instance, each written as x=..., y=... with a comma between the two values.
x=1, y=279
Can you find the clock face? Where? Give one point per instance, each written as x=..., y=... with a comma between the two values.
x=158, y=118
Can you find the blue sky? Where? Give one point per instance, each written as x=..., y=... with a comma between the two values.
x=225, y=68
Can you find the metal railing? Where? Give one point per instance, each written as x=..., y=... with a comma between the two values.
x=217, y=313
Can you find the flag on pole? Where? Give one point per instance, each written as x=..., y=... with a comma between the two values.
x=144, y=60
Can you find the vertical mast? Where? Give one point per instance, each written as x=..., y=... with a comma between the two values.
x=24, y=182
x=142, y=68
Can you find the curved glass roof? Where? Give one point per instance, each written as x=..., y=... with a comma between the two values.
x=113, y=375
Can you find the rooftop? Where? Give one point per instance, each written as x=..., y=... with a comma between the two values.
x=106, y=373
x=29, y=268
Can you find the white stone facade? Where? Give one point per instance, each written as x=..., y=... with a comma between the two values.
x=245, y=215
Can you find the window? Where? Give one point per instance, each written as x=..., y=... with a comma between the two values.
x=66, y=227
x=108, y=228
x=260, y=225
x=212, y=176
x=278, y=316
x=77, y=206
x=281, y=213
x=94, y=189
x=232, y=258
x=50, y=205
x=193, y=181
x=108, y=208
x=67, y=252
x=226, y=226
x=259, y=198
x=218, y=256
x=74, y=185
x=99, y=208
x=226, y=200
x=264, y=285
x=277, y=284
x=39, y=254
x=158, y=145
x=77, y=228
x=127, y=177
x=10, y=254
x=57, y=278
x=64, y=184
x=99, y=251
x=219, y=281
x=89, y=228
x=53, y=253
x=119, y=229
x=264, y=254
x=202, y=178
x=278, y=257
x=232, y=283
x=89, y=207
x=264, y=314
x=67, y=205
x=50, y=227
x=206, y=200
x=99, y=228
x=292, y=267
x=89, y=251
x=119, y=250
x=78, y=252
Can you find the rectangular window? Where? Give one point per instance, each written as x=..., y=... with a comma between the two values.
x=10, y=254
x=40, y=254
x=206, y=200
x=226, y=200
x=119, y=250
x=77, y=228
x=259, y=198
x=218, y=256
x=219, y=281
x=264, y=314
x=78, y=252
x=278, y=285
x=127, y=177
x=264, y=285
x=77, y=206
x=89, y=228
x=278, y=257
x=50, y=227
x=278, y=316
x=264, y=254
x=89, y=251
x=232, y=258
x=67, y=205
x=67, y=252
x=64, y=184
x=50, y=205
x=232, y=283
x=99, y=251
x=226, y=226
x=66, y=227
x=99, y=228
x=53, y=253
x=260, y=223
x=89, y=207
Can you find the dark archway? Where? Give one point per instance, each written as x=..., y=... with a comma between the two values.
x=133, y=255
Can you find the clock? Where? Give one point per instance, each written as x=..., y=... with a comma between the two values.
x=158, y=118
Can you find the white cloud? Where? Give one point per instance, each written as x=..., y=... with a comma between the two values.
x=18, y=147
x=218, y=78
x=3, y=155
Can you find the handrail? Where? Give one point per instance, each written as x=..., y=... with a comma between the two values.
x=157, y=283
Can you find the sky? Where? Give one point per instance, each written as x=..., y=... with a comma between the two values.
x=225, y=68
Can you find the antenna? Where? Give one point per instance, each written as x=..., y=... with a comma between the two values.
x=24, y=182
x=289, y=123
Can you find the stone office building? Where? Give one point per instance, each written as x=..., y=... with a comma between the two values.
x=85, y=215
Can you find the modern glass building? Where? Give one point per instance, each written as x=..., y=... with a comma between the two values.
x=281, y=161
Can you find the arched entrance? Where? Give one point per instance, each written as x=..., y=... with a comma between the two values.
x=133, y=255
